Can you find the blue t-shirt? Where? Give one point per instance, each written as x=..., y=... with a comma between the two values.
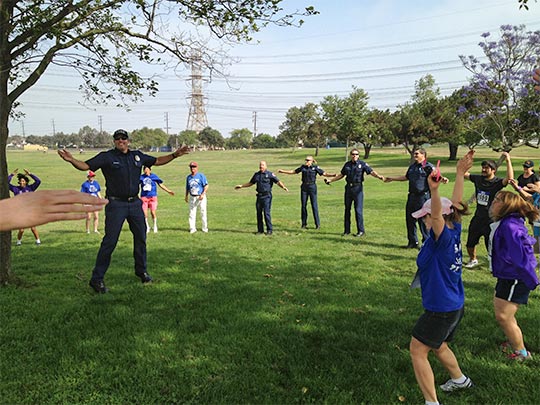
x=440, y=264
x=90, y=187
x=149, y=185
x=195, y=184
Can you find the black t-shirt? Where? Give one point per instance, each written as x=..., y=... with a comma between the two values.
x=533, y=178
x=485, y=191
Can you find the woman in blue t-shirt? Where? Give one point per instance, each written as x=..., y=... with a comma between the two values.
x=439, y=271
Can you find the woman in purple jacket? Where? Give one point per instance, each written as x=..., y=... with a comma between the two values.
x=24, y=187
x=513, y=264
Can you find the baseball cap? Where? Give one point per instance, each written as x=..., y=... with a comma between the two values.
x=120, y=133
x=193, y=164
x=426, y=208
x=490, y=163
x=528, y=163
x=91, y=173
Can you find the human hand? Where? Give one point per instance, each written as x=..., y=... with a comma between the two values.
x=465, y=163
x=64, y=154
x=388, y=180
x=327, y=182
x=183, y=150
x=26, y=172
x=31, y=209
x=506, y=156
x=238, y=187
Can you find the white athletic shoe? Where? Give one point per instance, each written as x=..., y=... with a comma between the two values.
x=472, y=263
x=192, y=230
x=155, y=229
x=19, y=242
x=450, y=385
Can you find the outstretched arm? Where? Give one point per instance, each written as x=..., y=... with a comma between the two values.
x=163, y=160
x=509, y=168
x=164, y=187
x=31, y=209
x=377, y=175
x=286, y=171
x=462, y=168
x=68, y=157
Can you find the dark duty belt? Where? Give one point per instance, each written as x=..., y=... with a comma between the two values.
x=123, y=199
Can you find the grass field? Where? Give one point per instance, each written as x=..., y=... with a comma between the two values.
x=303, y=316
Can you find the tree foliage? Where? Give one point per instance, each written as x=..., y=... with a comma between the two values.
x=499, y=81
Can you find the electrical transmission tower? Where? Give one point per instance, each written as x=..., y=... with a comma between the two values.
x=197, y=120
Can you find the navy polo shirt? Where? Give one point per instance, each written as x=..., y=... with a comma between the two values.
x=122, y=171
x=417, y=176
x=354, y=172
x=264, y=181
x=309, y=173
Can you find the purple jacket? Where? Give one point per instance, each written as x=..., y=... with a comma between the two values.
x=512, y=254
x=29, y=187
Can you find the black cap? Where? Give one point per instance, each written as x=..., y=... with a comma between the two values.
x=119, y=133
x=528, y=164
x=490, y=163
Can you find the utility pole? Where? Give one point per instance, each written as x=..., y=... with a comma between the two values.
x=100, y=122
x=197, y=120
x=22, y=124
x=53, y=128
x=254, y=124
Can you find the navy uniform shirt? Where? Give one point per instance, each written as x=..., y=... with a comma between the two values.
x=122, y=171
x=264, y=181
x=417, y=176
x=309, y=173
x=354, y=172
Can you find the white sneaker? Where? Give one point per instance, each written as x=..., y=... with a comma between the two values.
x=205, y=230
x=472, y=263
x=38, y=242
x=155, y=229
x=96, y=231
x=19, y=243
x=450, y=385
x=87, y=231
x=192, y=230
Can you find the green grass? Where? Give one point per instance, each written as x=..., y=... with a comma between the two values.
x=299, y=317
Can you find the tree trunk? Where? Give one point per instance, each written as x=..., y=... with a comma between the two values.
x=5, y=237
x=453, y=150
x=367, y=150
x=317, y=150
x=6, y=10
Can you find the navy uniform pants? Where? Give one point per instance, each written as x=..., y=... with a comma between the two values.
x=354, y=194
x=264, y=205
x=309, y=191
x=414, y=203
x=116, y=212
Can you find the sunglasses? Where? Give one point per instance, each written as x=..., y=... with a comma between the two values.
x=120, y=137
x=354, y=154
x=192, y=166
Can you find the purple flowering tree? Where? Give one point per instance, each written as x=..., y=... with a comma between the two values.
x=500, y=81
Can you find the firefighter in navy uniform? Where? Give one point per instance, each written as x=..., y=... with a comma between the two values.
x=264, y=180
x=308, y=189
x=354, y=171
x=121, y=168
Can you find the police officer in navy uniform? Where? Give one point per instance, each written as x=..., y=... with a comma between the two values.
x=308, y=188
x=122, y=170
x=354, y=171
x=264, y=179
x=417, y=175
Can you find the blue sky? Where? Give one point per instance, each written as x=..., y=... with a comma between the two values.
x=382, y=46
